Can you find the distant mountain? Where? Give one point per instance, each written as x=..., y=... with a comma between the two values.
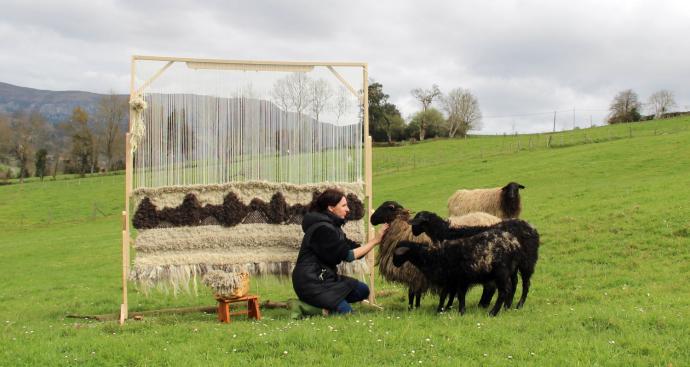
x=55, y=106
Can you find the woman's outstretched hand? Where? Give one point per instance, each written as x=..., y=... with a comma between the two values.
x=382, y=231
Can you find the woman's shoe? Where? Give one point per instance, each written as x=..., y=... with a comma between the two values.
x=299, y=309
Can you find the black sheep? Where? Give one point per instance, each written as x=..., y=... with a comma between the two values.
x=528, y=237
x=396, y=216
x=491, y=256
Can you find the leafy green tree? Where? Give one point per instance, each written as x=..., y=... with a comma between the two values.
x=41, y=159
x=385, y=121
x=625, y=107
x=426, y=97
x=434, y=121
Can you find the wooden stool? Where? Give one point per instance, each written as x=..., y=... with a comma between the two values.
x=252, y=310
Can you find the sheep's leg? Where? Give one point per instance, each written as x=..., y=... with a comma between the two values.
x=511, y=295
x=451, y=296
x=462, y=293
x=442, y=299
x=503, y=286
x=487, y=295
x=418, y=298
x=410, y=298
x=525, y=288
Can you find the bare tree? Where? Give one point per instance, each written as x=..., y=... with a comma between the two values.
x=426, y=97
x=81, y=148
x=342, y=103
x=320, y=93
x=298, y=91
x=281, y=94
x=28, y=132
x=625, y=107
x=5, y=137
x=662, y=101
x=462, y=109
x=112, y=112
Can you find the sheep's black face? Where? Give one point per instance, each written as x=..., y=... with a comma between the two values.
x=512, y=190
x=420, y=222
x=385, y=213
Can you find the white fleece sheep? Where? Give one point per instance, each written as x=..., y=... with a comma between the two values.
x=503, y=202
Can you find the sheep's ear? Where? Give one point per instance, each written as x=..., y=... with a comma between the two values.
x=520, y=186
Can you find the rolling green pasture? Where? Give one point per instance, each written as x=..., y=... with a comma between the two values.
x=611, y=288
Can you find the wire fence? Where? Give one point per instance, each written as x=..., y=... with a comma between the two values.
x=485, y=147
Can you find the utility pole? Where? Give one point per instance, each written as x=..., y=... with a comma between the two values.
x=554, y=121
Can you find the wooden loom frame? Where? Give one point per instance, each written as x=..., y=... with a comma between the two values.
x=243, y=65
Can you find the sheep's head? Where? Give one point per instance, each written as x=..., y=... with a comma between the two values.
x=386, y=213
x=512, y=190
x=404, y=252
x=424, y=221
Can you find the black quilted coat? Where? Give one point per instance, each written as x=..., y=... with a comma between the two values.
x=315, y=278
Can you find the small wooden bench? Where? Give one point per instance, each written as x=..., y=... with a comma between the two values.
x=252, y=310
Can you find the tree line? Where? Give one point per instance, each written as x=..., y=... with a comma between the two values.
x=87, y=144
x=459, y=113
x=81, y=144
x=627, y=107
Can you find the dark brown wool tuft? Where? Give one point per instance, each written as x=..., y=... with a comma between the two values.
x=230, y=213
x=146, y=216
x=312, y=204
x=189, y=213
x=356, y=207
x=211, y=214
x=233, y=210
x=278, y=209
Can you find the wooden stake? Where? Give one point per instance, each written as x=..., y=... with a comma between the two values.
x=125, y=272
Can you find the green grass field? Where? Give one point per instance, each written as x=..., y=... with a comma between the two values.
x=611, y=286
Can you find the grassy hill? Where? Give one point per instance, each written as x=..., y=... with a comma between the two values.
x=611, y=204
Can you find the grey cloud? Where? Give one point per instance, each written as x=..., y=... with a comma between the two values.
x=518, y=57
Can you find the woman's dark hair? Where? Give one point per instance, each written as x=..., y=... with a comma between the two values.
x=330, y=197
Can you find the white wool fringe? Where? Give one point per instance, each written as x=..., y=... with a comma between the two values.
x=173, y=257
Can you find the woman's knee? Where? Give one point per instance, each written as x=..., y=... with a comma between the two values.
x=361, y=292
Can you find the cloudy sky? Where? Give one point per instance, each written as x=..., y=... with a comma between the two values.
x=522, y=59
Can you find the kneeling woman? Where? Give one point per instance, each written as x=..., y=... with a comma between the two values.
x=315, y=277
